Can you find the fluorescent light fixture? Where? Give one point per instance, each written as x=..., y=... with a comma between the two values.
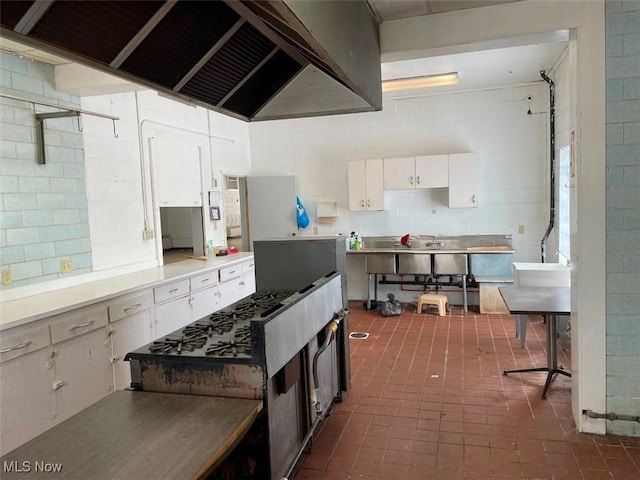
x=420, y=82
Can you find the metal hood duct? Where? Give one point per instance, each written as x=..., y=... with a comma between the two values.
x=252, y=60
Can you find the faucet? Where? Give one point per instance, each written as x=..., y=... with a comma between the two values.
x=558, y=253
x=433, y=242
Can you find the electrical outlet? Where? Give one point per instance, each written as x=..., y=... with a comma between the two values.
x=520, y=228
x=6, y=276
x=147, y=234
x=315, y=229
x=65, y=266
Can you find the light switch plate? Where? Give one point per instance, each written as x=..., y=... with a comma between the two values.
x=6, y=276
x=65, y=266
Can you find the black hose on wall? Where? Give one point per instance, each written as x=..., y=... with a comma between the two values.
x=552, y=172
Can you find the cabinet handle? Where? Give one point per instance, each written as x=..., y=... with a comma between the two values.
x=368, y=202
x=82, y=325
x=204, y=280
x=362, y=203
x=418, y=180
x=133, y=307
x=16, y=347
x=242, y=283
x=173, y=290
x=232, y=272
x=411, y=180
x=58, y=385
x=473, y=199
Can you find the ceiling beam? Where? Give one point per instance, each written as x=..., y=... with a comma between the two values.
x=142, y=34
x=33, y=16
x=207, y=56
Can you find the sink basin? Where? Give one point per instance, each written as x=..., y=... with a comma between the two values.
x=541, y=274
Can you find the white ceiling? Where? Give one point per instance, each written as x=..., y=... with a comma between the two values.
x=489, y=68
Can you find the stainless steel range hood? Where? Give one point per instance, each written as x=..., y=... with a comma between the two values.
x=252, y=60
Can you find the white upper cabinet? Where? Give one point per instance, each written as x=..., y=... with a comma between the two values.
x=399, y=173
x=424, y=171
x=432, y=171
x=366, y=185
x=462, y=180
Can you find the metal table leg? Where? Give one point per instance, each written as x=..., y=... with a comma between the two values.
x=552, y=358
x=464, y=293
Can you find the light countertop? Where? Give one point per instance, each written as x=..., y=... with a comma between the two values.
x=24, y=310
x=435, y=251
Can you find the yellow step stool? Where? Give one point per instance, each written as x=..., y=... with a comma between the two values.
x=434, y=299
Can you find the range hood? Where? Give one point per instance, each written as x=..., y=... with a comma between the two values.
x=254, y=60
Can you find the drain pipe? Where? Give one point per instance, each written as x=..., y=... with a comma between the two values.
x=552, y=186
x=331, y=334
x=611, y=416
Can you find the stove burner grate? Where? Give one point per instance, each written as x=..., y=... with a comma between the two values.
x=228, y=348
x=187, y=343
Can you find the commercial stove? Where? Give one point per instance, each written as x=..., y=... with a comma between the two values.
x=266, y=346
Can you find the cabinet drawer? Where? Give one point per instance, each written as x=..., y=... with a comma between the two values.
x=227, y=273
x=26, y=340
x=204, y=280
x=78, y=322
x=248, y=266
x=126, y=306
x=173, y=290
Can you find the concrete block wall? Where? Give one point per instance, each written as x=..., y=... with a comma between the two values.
x=43, y=208
x=623, y=212
x=511, y=149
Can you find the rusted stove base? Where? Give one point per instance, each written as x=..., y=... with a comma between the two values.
x=211, y=379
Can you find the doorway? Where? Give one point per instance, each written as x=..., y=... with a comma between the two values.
x=182, y=233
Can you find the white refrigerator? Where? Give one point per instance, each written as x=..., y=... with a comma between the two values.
x=268, y=206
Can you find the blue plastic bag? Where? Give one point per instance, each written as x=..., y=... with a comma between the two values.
x=303, y=219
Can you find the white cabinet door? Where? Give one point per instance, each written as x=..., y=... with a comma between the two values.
x=432, y=171
x=171, y=316
x=234, y=290
x=128, y=334
x=204, y=302
x=375, y=184
x=26, y=397
x=357, y=185
x=83, y=371
x=462, y=180
x=399, y=173
x=366, y=185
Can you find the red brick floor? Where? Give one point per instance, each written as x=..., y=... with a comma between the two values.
x=429, y=401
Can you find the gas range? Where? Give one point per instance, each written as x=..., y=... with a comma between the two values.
x=225, y=334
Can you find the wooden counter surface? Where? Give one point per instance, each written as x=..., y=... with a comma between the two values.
x=132, y=434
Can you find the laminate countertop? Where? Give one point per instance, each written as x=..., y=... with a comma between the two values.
x=131, y=434
x=24, y=310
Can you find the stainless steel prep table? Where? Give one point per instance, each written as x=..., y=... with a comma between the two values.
x=132, y=434
x=547, y=301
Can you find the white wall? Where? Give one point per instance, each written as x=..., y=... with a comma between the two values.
x=511, y=149
x=120, y=173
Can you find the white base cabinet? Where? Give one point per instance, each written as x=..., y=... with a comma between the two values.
x=27, y=399
x=53, y=368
